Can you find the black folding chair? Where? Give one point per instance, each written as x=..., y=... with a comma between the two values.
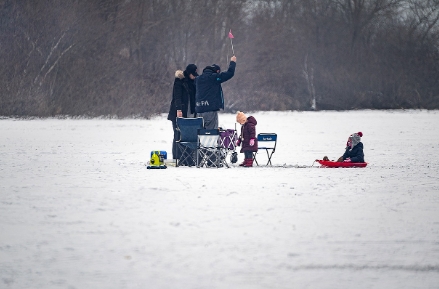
x=267, y=142
x=187, y=144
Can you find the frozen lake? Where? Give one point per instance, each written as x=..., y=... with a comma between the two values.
x=79, y=209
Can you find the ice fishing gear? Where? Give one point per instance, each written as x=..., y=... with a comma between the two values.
x=231, y=41
x=157, y=160
x=234, y=157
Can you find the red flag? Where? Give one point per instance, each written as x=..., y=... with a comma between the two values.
x=230, y=34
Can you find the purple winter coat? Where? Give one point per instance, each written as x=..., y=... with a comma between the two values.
x=248, y=131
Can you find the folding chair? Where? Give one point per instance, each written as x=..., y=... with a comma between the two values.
x=267, y=142
x=209, y=151
x=187, y=145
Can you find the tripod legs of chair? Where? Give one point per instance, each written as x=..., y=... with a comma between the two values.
x=254, y=158
x=211, y=157
x=187, y=156
x=269, y=155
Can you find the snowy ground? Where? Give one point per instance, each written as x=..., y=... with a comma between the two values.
x=78, y=208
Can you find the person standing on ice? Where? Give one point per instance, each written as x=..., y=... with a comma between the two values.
x=183, y=98
x=209, y=98
x=247, y=137
x=354, y=149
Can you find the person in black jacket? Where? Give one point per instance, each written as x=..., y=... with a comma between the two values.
x=354, y=149
x=209, y=98
x=183, y=98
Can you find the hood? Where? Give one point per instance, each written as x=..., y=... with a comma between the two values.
x=252, y=120
x=179, y=74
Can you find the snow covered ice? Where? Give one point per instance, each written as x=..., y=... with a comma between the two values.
x=79, y=209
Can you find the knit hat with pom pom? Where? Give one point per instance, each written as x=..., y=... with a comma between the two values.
x=241, y=117
x=355, y=138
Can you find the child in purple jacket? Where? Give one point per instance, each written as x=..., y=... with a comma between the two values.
x=247, y=138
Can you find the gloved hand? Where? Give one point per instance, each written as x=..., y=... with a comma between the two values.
x=348, y=160
x=238, y=142
x=252, y=142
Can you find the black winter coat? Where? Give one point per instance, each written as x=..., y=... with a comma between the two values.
x=209, y=95
x=356, y=154
x=248, y=131
x=183, y=96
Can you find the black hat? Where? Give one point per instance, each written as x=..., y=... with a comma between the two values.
x=192, y=69
x=213, y=67
x=216, y=67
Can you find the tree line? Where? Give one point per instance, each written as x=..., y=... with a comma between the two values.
x=118, y=58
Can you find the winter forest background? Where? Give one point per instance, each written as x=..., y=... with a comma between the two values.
x=118, y=57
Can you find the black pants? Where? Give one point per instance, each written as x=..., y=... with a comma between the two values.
x=175, y=151
x=248, y=155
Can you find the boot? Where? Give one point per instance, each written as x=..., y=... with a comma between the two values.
x=243, y=163
x=248, y=163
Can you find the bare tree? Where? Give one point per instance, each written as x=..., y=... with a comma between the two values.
x=118, y=57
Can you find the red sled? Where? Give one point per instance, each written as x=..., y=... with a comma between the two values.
x=332, y=164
